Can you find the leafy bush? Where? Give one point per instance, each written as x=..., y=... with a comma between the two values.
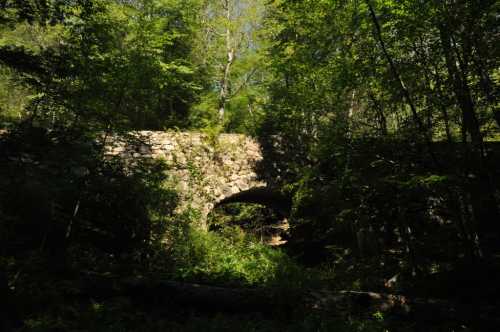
x=230, y=258
x=60, y=199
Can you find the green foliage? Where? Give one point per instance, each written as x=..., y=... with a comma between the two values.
x=231, y=50
x=212, y=132
x=13, y=98
x=252, y=218
x=367, y=103
x=230, y=258
x=115, y=65
x=60, y=199
x=15, y=94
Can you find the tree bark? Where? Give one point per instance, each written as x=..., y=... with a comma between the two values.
x=485, y=206
x=230, y=52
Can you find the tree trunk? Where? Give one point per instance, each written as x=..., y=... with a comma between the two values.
x=207, y=298
x=225, y=81
x=482, y=191
x=394, y=71
x=381, y=118
x=406, y=93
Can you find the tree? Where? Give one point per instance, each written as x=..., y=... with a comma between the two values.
x=353, y=80
x=120, y=64
x=230, y=45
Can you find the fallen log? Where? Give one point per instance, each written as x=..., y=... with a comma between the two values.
x=211, y=298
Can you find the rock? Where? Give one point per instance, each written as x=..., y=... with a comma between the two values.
x=242, y=185
x=144, y=149
x=227, y=191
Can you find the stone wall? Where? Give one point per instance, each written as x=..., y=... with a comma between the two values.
x=205, y=170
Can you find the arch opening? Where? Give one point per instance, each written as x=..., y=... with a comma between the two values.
x=259, y=212
x=264, y=196
x=257, y=221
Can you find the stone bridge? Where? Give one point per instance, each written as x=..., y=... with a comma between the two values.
x=206, y=171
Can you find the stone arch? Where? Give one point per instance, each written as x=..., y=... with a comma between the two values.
x=206, y=171
x=265, y=196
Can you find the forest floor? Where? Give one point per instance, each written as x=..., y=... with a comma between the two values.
x=103, y=302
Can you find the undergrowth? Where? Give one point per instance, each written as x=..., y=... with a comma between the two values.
x=232, y=258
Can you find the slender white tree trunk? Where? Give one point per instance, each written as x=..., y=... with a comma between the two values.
x=224, y=84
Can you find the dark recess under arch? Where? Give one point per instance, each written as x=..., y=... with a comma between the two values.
x=272, y=199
